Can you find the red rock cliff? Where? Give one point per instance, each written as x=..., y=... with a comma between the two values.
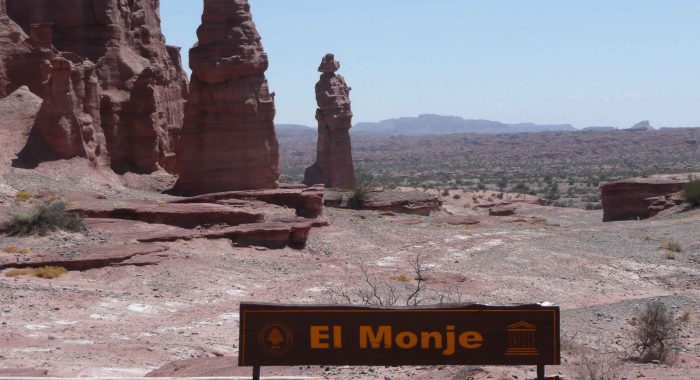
x=122, y=75
x=334, y=167
x=632, y=199
x=228, y=139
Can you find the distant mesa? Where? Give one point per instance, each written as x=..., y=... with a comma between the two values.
x=440, y=125
x=600, y=129
x=642, y=126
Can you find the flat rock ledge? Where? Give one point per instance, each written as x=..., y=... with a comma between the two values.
x=85, y=258
x=402, y=202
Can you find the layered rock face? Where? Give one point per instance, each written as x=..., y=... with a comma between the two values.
x=228, y=138
x=108, y=80
x=334, y=167
x=640, y=198
x=12, y=46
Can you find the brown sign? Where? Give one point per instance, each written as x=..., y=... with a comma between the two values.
x=274, y=335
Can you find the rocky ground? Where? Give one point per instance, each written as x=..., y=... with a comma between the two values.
x=180, y=301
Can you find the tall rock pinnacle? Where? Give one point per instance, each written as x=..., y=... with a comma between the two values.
x=228, y=139
x=333, y=167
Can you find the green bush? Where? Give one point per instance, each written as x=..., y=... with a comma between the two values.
x=365, y=184
x=691, y=192
x=44, y=218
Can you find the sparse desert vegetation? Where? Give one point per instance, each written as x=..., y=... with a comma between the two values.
x=655, y=334
x=691, y=192
x=564, y=168
x=45, y=217
x=178, y=214
x=48, y=272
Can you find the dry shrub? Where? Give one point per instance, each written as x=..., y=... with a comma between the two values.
x=392, y=291
x=672, y=246
x=15, y=249
x=11, y=249
x=19, y=272
x=687, y=316
x=656, y=334
x=597, y=367
x=49, y=272
x=23, y=196
x=44, y=218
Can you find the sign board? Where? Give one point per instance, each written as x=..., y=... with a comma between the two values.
x=274, y=335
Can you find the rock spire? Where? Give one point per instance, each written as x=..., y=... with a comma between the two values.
x=334, y=167
x=228, y=139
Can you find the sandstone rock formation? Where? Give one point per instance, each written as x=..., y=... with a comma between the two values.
x=12, y=46
x=173, y=214
x=640, y=198
x=228, y=139
x=307, y=202
x=89, y=257
x=108, y=80
x=334, y=167
x=402, y=202
x=19, y=111
x=503, y=210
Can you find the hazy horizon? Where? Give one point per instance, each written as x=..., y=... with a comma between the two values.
x=592, y=63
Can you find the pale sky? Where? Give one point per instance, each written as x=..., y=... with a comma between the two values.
x=584, y=62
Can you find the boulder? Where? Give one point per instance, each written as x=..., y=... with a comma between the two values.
x=228, y=140
x=668, y=202
x=639, y=198
x=334, y=167
x=504, y=210
x=107, y=78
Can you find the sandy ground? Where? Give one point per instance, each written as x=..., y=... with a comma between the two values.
x=129, y=320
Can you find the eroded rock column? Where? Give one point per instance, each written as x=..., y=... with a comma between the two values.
x=140, y=105
x=228, y=138
x=334, y=167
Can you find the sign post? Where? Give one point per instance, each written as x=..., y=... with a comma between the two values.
x=277, y=335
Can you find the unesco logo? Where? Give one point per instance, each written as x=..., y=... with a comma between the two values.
x=275, y=339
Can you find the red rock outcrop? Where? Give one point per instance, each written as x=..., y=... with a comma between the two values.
x=308, y=202
x=334, y=167
x=19, y=111
x=89, y=257
x=402, y=202
x=228, y=138
x=106, y=75
x=503, y=210
x=13, y=45
x=639, y=198
x=181, y=215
